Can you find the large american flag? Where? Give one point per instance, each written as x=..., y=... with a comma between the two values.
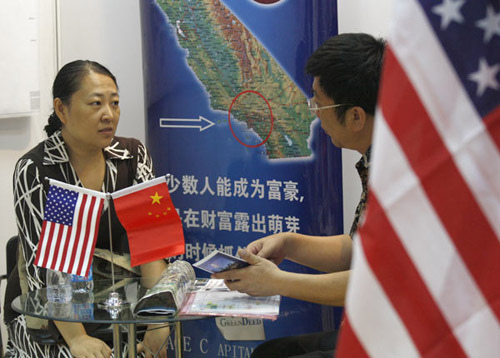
x=70, y=227
x=426, y=266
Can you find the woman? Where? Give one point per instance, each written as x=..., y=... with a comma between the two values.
x=81, y=150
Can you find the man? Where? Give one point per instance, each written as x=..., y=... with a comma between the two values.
x=346, y=70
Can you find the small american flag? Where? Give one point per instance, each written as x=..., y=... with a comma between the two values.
x=70, y=228
x=425, y=278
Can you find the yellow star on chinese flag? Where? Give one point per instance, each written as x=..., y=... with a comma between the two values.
x=156, y=198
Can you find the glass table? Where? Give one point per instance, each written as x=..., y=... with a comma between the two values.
x=89, y=309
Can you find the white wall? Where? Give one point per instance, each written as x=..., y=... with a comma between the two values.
x=109, y=32
x=18, y=135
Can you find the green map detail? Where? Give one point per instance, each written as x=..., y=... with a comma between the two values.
x=228, y=60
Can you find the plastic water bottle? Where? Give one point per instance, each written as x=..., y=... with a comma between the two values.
x=85, y=310
x=83, y=296
x=82, y=284
x=58, y=286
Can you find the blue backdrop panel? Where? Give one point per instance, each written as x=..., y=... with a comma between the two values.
x=228, y=119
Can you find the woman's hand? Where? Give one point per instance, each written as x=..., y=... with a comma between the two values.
x=155, y=340
x=85, y=346
x=80, y=343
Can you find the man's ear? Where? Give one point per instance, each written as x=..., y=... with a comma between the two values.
x=60, y=110
x=358, y=118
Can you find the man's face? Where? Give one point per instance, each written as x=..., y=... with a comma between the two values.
x=338, y=133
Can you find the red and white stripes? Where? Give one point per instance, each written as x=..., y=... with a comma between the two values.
x=70, y=248
x=427, y=258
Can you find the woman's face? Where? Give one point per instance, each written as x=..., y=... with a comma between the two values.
x=91, y=117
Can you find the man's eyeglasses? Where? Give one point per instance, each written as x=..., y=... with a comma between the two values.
x=313, y=107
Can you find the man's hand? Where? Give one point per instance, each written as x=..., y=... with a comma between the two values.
x=261, y=278
x=271, y=247
x=85, y=346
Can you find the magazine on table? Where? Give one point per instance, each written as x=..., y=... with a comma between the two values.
x=213, y=298
x=178, y=291
x=167, y=295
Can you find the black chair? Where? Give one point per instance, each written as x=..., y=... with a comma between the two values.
x=40, y=336
x=11, y=257
x=11, y=252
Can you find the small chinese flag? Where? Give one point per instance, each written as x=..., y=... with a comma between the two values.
x=154, y=228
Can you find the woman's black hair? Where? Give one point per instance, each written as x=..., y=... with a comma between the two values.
x=67, y=82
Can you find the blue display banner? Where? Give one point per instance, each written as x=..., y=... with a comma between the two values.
x=228, y=119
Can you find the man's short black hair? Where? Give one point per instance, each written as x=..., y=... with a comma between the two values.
x=349, y=68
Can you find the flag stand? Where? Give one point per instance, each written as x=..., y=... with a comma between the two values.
x=114, y=303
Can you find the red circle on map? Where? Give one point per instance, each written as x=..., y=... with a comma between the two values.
x=266, y=1
x=270, y=112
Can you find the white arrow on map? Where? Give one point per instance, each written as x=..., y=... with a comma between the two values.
x=201, y=123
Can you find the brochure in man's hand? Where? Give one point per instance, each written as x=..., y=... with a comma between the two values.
x=219, y=261
x=178, y=291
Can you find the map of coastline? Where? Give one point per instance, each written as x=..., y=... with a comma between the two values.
x=229, y=61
